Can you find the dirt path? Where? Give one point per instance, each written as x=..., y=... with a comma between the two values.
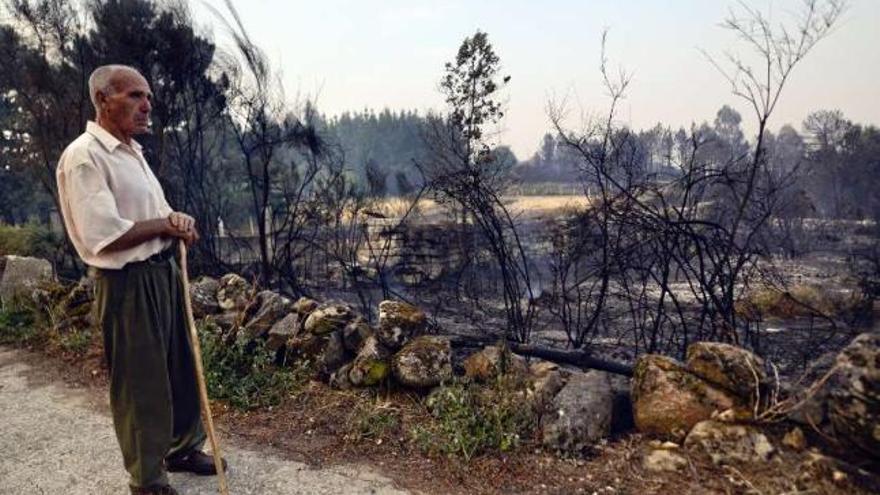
x=55, y=439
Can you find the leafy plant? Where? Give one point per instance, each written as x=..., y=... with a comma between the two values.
x=244, y=372
x=17, y=326
x=467, y=420
x=29, y=240
x=76, y=340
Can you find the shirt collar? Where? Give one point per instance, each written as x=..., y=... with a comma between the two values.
x=106, y=139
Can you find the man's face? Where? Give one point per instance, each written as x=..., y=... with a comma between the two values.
x=128, y=108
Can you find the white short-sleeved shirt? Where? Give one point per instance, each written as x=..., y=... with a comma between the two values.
x=104, y=187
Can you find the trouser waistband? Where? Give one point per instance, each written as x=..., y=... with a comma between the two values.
x=159, y=259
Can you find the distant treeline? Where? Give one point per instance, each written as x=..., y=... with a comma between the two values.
x=830, y=165
x=384, y=150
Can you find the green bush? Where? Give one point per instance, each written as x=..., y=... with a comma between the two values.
x=244, y=373
x=29, y=240
x=468, y=420
x=17, y=326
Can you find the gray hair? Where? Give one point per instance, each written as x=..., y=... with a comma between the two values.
x=101, y=81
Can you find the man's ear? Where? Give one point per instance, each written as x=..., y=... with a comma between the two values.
x=100, y=99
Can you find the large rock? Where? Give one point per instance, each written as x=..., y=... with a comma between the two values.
x=203, y=294
x=854, y=397
x=234, y=292
x=21, y=275
x=492, y=361
x=328, y=318
x=727, y=443
x=371, y=365
x=580, y=414
x=398, y=322
x=269, y=308
x=728, y=366
x=283, y=330
x=668, y=400
x=423, y=362
x=355, y=333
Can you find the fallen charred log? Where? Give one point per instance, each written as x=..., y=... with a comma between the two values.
x=580, y=358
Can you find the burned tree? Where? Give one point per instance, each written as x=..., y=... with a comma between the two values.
x=267, y=135
x=648, y=242
x=465, y=171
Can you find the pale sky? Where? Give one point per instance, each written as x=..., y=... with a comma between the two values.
x=369, y=53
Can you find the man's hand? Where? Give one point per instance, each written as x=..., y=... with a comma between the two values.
x=182, y=221
x=177, y=225
x=183, y=226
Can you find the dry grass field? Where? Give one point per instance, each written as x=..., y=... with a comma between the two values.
x=532, y=206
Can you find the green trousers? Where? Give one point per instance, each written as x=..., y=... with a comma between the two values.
x=153, y=392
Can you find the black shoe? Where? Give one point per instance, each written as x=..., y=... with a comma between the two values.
x=197, y=462
x=154, y=490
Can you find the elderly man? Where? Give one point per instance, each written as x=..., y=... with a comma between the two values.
x=122, y=227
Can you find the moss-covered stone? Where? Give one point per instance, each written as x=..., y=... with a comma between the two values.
x=328, y=318
x=398, y=322
x=371, y=365
x=423, y=362
x=377, y=371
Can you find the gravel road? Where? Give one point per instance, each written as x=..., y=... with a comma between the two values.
x=55, y=440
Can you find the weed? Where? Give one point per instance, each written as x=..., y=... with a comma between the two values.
x=467, y=420
x=17, y=326
x=76, y=340
x=244, y=372
x=372, y=420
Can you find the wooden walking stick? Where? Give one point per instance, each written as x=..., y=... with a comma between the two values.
x=200, y=373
